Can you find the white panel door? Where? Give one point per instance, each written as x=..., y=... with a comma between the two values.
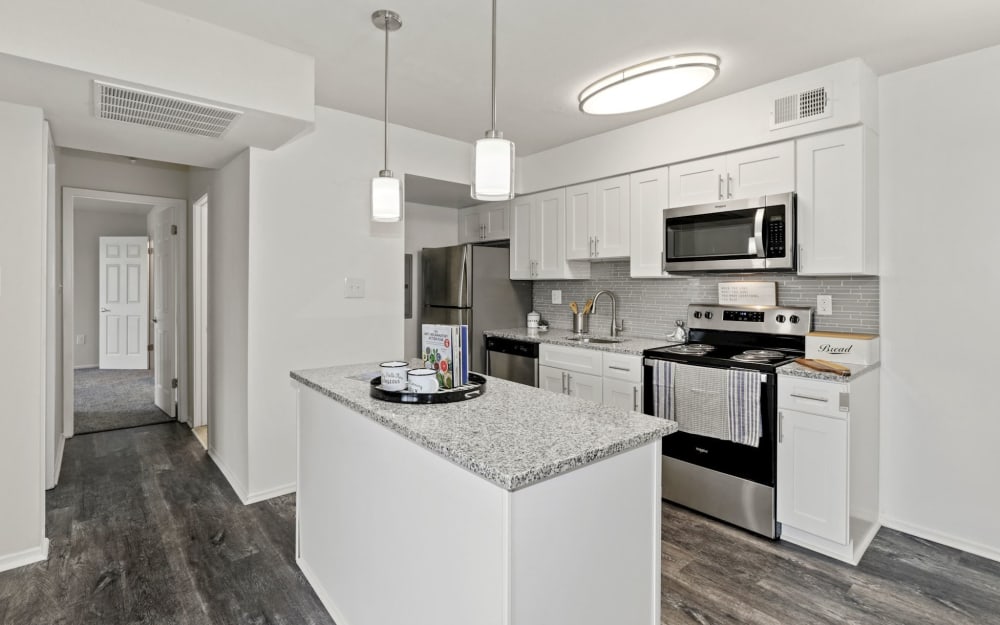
x=494, y=220
x=647, y=199
x=812, y=474
x=521, y=263
x=698, y=182
x=470, y=227
x=761, y=171
x=586, y=386
x=123, y=301
x=552, y=379
x=579, y=208
x=609, y=221
x=622, y=394
x=548, y=240
x=164, y=293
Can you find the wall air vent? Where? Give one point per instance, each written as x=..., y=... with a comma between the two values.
x=802, y=107
x=156, y=110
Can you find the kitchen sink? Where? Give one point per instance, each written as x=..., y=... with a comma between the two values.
x=592, y=339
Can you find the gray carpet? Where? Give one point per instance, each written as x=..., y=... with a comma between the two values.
x=112, y=399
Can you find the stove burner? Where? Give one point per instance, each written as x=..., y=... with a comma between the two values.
x=763, y=353
x=695, y=349
x=744, y=357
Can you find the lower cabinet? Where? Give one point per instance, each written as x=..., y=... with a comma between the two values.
x=572, y=383
x=622, y=394
x=603, y=377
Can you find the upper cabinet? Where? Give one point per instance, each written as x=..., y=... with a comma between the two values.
x=838, y=203
x=537, y=241
x=486, y=222
x=597, y=220
x=747, y=173
x=648, y=192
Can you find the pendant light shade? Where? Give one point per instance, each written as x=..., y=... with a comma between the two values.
x=493, y=161
x=387, y=191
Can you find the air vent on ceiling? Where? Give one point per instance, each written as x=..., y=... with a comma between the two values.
x=801, y=107
x=156, y=110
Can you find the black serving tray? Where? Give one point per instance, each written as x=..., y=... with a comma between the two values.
x=475, y=388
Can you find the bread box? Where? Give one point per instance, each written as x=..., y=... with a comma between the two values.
x=856, y=349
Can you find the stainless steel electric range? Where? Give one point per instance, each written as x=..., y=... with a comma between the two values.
x=704, y=467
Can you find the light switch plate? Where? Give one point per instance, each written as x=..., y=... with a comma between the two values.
x=354, y=287
x=556, y=296
x=81, y=339
x=824, y=304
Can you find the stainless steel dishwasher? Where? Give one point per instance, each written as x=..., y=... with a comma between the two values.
x=512, y=360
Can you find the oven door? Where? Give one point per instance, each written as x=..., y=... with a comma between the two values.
x=755, y=234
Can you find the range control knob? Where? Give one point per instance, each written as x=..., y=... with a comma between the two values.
x=697, y=314
x=780, y=319
x=708, y=314
x=794, y=318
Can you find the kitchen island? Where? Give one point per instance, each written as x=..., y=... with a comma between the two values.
x=520, y=506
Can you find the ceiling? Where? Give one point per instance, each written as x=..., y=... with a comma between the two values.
x=548, y=51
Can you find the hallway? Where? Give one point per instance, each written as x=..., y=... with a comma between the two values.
x=112, y=399
x=145, y=529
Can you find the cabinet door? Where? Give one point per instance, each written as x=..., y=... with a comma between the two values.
x=579, y=207
x=552, y=379
x=494, y=221
x=470, y=227
x=609, y=221
x=547, y=234
x=586, y=386
x=647, y=198
x=812, y=474
x=761, y=171
x=622, y=394
x=837, y=226
x=698, y=182
x=521, y=264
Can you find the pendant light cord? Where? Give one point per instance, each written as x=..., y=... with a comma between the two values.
x=385, y=151
x=493, y=93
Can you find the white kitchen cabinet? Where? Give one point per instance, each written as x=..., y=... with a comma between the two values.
x=537, y=242
x=486, y=222
x=837, y=195
x=827, y=465
x=552, y=379
x=622, y=394
x=648, y=195
x=597, y=219
x=747, y=173
x=572, y=383
x=581, y=360
x=602, y=377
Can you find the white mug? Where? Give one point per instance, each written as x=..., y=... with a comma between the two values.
x=394, y=375
x=422, y=380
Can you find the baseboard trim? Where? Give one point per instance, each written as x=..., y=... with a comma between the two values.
x=943, y=538
x=324, y=598
x=93, y=366
x=26, y=557
x=271, y=493
x=234, y=483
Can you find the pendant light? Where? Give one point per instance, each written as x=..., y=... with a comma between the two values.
x=387, y=191
x=493, y=162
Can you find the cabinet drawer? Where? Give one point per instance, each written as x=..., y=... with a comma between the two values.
x=624, y=367
x=570, y=358
x=823, y=398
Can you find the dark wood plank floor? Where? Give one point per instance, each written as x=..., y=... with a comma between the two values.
x=145, y=529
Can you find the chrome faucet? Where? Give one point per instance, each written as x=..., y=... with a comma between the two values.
x=616, y=326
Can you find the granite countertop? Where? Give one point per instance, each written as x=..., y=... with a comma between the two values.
x=514, y=435
x=794, y=369
x=557, y=336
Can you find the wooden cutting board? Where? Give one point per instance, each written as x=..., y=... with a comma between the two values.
x=824, y=365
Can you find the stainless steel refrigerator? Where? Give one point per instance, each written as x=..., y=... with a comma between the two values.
x=471, y=284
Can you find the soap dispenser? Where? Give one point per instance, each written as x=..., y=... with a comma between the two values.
x=679, y=334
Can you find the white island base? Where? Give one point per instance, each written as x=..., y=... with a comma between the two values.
x=391, y=533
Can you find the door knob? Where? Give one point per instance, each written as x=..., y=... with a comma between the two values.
x=105, y=309
x=155, y=319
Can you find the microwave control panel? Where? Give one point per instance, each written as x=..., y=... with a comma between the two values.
x=774, y=226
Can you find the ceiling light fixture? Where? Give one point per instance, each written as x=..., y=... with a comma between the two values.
x=649, y=84
x=493, y=161
x=387, y=191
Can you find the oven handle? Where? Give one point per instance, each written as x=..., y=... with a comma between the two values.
x=649, y=362
x=758, y=233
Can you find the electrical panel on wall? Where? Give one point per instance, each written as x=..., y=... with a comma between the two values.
x=798, y=108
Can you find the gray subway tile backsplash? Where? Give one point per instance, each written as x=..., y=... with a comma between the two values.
x=650, y=306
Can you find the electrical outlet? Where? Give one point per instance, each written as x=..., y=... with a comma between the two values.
x=354, y=287
x=556, y=296
x=81, y=339
x=824, y=304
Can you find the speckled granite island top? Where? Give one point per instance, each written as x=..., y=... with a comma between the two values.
x=794, y=369
x=556, y=336
x=514, y=435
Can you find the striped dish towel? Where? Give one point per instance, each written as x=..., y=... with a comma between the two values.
x=663, y=389
x=744, y=407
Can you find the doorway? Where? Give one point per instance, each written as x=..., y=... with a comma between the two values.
x=124, y=338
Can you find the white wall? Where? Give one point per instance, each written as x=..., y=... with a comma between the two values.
x=309, y=230
x=228, y=221
x=940, y=219
x=103, y=172
x=88, y=227
x=426, y=226
x=23, y=169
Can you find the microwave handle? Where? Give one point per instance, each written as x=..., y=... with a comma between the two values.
x=758, y=233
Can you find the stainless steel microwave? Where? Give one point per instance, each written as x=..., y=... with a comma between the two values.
x=756, y=234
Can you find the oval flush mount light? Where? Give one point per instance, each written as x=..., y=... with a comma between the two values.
x=649, y=84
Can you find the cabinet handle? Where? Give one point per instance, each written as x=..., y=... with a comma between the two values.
x=564, y=382
x=596, y=241
x=802, y=264
x=720, y=186
x=781, y=427
x=822, y=399
x=635, y=398
x=482, y=234
x=590, y=243
x=729, y=185
x=569, y=384
x=618, y=368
